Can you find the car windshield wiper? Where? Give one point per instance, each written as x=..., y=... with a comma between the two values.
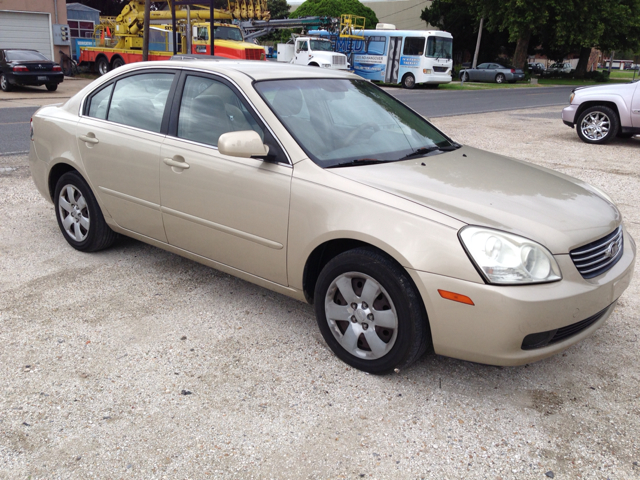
x=426, y=150
x=358, y=161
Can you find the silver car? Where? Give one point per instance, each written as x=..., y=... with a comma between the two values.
x=491, y=72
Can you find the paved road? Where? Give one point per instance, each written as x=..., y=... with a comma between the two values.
x=444, y=103
x=14, y=122
x=14, y=129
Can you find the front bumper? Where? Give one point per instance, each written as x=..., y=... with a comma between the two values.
x=569, y=115
x=492, y=331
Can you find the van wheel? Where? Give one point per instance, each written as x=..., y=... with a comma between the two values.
x=370, y=312
x=409, y=81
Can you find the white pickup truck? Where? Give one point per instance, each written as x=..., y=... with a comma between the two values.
x=312, y=51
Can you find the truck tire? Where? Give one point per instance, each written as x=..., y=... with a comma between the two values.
x=116, y=63
x=102, y=65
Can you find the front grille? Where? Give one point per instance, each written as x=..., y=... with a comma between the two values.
x=597, y=257
x=253, y=53
x=542, y=339
x=339, y=60
x=440, y=69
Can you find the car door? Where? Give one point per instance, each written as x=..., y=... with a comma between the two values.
x=635, y=107
x=302, y=52
x=478, y=74
x=232, y=210
x=119, y=136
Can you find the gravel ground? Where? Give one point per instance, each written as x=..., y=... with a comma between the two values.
x=136, y=363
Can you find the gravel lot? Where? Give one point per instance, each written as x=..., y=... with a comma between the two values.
x=136, y=363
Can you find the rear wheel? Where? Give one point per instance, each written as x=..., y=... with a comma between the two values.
x=370, y=312
x=500, y=78
x=102, y=66
x=52, y=87
x=79, y=216
x=598, y=124
x=409, y=81
x=4, y=83
x=116, y=63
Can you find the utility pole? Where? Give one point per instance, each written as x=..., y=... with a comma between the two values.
x=475, y=55
x=613, y=53
x=212, y=28
x=145, y=36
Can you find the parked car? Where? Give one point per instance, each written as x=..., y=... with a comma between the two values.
x=491, y=72
x=601, y=113
x=560, y=68
x=537, y=68
x=28, y=67
x=319, y=185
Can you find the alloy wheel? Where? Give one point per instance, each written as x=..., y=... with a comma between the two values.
x=595, y=125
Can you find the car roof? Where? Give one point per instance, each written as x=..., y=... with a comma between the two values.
x=255, y=69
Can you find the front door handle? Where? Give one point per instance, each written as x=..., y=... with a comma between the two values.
x=89, y=139
x=176, y=162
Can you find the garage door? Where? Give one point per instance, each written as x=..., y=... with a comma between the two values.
x=26, y=30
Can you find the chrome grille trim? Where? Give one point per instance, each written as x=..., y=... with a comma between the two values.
x=338, y=60
x=597, y=257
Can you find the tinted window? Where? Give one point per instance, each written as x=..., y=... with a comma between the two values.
x=99, y=103
x=210, y=108
x=483, y=65
x=413, y=46
x=139, y=100
x=25, y=55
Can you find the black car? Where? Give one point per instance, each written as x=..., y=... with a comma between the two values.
x=28, y=67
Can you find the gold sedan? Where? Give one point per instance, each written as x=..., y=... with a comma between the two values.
x=319, y=185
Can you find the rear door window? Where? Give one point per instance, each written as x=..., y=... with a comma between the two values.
x=99, y=103
x=140, y=100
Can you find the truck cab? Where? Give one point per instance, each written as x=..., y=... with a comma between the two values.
x=229, y=42
x=312, y=51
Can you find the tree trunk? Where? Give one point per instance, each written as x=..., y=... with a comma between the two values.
x=581, y=69
x=520, y=57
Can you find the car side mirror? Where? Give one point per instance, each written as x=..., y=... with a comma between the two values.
x=244, y=144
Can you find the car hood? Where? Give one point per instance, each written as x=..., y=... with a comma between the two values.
x=482, y=188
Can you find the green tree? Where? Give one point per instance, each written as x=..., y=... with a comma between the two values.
x=278, y=8
x=335, y=8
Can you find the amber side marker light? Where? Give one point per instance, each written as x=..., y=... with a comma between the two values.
x=456, y=297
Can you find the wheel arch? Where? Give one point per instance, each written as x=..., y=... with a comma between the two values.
x=325, y=252
x=57, y=171
x=595, y=103
x=313, y=64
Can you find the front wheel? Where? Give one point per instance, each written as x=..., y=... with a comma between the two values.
x=409, y=81
x=79, y=216
x=500, y=78
x=4, y=83
x=598, y=124
x=52, y=87
x=370, y=312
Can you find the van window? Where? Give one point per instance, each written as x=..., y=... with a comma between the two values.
x=413, y=46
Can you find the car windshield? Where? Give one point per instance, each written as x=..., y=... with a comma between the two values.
x=322, y=45
x=340, y=121
x=227, y=33
x=25, y=55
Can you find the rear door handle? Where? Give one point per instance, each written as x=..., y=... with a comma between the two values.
x=88, y=139
x=176, y=162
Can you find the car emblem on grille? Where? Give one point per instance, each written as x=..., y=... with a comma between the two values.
x=612, y=250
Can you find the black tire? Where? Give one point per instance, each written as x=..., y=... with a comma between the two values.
x=597, y=125
x=102, y=66
x=116, y=63
x=500, y=78
x=4, y=83
x=96, y=235
x=52, y=87
x=625, y=135
x=313, y=64
x=464, y=77
x=409, y=81
x=409, y=339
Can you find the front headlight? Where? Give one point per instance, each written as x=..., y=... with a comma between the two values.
x=507, y=259
x=573, y=94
